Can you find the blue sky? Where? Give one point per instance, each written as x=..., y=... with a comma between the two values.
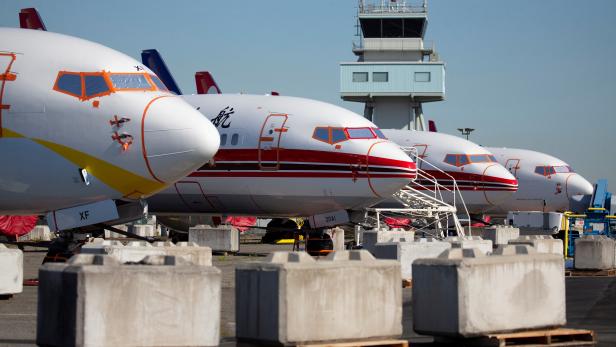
x=529, y=74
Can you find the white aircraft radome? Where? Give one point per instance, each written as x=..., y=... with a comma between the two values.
x=81, y=123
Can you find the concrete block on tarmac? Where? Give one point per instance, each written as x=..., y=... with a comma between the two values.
x=542, y=243
x=464, y=293
x=290, y=298
x=39, y=233
x=219, y=239
x=190, y=251
x=484, y=246
x=500, y=234
x=407, y=252
x=11, y=270
x=94, y=301
x=134, y=251
x=144, y=230
x=594, y=252
x=111, y=234
x=372, y=237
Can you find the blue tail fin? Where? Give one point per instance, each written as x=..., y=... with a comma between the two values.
x=152, y=59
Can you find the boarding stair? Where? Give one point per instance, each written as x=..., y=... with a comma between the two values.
x=432, y=207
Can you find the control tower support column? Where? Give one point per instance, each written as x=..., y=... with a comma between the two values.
x=396, y=72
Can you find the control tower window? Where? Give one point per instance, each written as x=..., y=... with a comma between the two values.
x=392, y=27
x=360, y=77
x=422, y=77
x=380, y=77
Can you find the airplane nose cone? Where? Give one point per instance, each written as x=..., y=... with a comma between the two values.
x=578, y=185
x=498, y=184
x=176, y=139
x=389, y=168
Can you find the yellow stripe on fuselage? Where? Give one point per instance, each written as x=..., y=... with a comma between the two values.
x=129, y=184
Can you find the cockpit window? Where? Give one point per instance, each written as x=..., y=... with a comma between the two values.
x=464, y=159
x=69, y=83
x=451, y=159
x=130, y=81
x=321, y=134
x=95, y=85
x=159, y=84
x=87, y=85
x=552, y=170
x=360, y=133
x=338, y=135
x=379, y=133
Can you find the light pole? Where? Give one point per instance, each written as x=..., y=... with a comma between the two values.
x=466, y=131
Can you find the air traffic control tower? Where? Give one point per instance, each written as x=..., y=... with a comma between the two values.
x=396, y=71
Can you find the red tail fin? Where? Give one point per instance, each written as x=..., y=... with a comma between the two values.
x=206, y=84
x=29, y=18
x=432, y=126
x=274, y=93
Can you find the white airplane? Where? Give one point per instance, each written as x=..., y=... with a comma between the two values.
x=82, y=126
x=482, y=181
x=546, y=183
x=284, y=156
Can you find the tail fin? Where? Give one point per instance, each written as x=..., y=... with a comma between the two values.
x=29, y=18
x=152, y=59
x=206, y=84
x=432, y=126
x=274, y=93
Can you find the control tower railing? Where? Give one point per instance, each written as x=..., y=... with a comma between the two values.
x=388, y=6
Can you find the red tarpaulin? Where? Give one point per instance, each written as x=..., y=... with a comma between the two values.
x=17, y=225
x=397, y=222
x=240, y=222
x=486, y=219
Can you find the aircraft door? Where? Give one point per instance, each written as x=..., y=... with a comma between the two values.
x=6, y=76
x=421, y=153
x=269, y=141
x=513, y=165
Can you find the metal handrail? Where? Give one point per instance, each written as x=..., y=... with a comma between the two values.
x=387, y=6
x=455, y=191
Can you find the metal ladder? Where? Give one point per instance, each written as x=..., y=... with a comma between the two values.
x=422, y=201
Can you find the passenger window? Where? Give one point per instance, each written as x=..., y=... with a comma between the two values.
x=463, y=159
x=130, y=81
x=540, y=170
x=95, y=84
x=360, y=133
x=69, y=83
x=450, y=159
x=379, y=133
x=159, y=84
x=223, y=139
x=321, y=134
x=235, y=139
x=338, y=135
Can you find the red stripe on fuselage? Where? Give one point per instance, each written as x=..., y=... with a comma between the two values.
x=464, y=176
x=409, y=176
x=311, y=156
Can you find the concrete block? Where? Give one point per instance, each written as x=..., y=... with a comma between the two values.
x=500, y=234
x=372, y=237
x=133, y=252
x=190, y=251
x=219, y=239
x=594, y=252
x=290, y=298
x=111, y=235
x=542, y=243
x=470, y=242
x=144, y=230
x=337, y=236
x=11, y=270
x=406, y=252
x=465, y=293
x=39, y=233
x=94, y=301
